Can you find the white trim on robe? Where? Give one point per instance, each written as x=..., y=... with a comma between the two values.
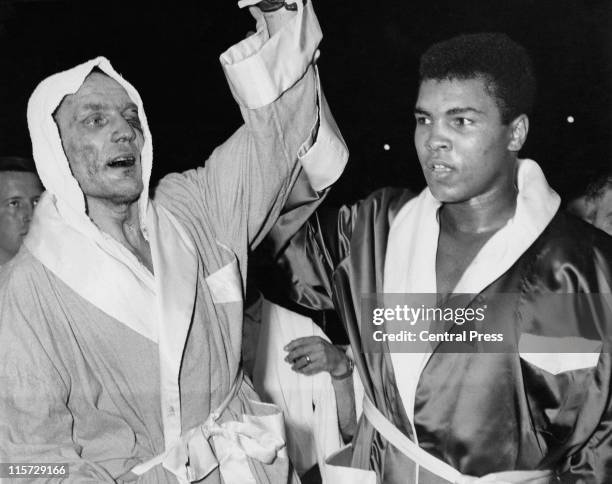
x=410, y=261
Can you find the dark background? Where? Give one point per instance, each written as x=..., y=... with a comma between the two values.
x=170, y=50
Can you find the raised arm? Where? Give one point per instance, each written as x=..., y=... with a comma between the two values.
x=244, y=185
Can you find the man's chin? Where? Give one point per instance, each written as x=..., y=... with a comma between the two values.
x=444, y=194
x=127, y=195
x=126, y=198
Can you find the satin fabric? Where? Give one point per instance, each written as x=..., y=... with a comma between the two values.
x=410, y=261
x=480, y=413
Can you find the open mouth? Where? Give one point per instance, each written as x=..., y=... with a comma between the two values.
x=125, y=161
x=440, y=168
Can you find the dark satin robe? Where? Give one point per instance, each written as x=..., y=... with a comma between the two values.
x=479, y=412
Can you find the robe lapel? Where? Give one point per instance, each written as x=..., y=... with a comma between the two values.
x=411, y=256
x=413, y=241
x=176, y=268
x=96, y=267
x=410, y=268
x=536, y=205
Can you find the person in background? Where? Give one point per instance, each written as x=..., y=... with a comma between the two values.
x=595, y=205
x=20, y=189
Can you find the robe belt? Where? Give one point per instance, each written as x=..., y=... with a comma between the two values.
x=192, y=457
x=434, y=465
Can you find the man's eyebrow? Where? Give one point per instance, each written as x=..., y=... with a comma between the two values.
x=466, y=110
x=450, y=112
x=97, y=106
x=12, y=197
x=92, y=107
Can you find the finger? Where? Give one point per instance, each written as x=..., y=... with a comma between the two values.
x=300, y=352
x=316, y=365
x=300, y=342
x=315, y=360
x=300, y=364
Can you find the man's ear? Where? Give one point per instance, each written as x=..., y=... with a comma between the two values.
x=519, y=127
x=590, y=209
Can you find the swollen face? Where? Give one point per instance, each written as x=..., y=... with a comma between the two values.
x=460, y=140
x=102, y=138
x=19, y=193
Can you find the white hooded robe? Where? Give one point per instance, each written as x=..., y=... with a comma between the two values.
x=104, y=365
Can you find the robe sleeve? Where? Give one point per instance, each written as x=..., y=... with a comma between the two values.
x=35, y=420
x=594, y=462
x=311, y=254
x=245, y=183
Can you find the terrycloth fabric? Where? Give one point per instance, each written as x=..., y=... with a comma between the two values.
x=104, y=365
x=258, y=79
x=67, y=242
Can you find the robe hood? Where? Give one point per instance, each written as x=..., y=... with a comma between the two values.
x=63, y=237
x=62, y=188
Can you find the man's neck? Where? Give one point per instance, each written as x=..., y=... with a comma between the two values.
x=121, y=222
x=465, y=228
x=112, y=217
x=5, y=257
x=480, y=215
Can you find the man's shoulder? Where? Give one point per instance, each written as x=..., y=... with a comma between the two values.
x=168, y=187
x=21, y=285
x=573, y=235
x=20, y=269
x=387, y=201
x=576, y=249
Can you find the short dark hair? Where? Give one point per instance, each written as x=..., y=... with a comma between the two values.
x=17, y=163
x=503, y=64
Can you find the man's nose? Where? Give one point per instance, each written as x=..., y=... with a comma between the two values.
x=437, y=139
x=27, y=211
x=123, y=131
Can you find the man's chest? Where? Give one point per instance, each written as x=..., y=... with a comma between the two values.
x=454, y=255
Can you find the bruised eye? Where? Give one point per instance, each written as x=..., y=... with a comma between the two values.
x=135, y=123
x=131, y=116
x=95, y=121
